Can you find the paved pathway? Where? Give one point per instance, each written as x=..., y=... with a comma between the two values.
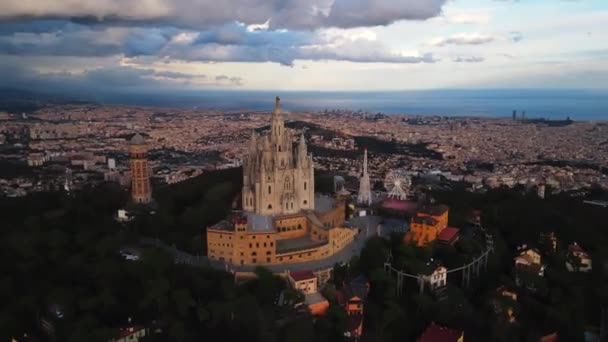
x=366, y=225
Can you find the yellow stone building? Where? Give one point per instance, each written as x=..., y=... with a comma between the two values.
x=426, y=225
x=282, y=221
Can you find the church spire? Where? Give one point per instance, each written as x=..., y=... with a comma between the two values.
x=277, y=125
x=365, y=195
x=277, y=106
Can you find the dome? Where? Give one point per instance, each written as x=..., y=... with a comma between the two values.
x=137, y=140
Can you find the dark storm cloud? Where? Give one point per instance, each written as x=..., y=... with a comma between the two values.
x=227, y=43
x=202, y=14
x=108, y=79
x=147, y=41
x=231, y=43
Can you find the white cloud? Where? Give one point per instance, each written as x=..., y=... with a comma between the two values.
x=470, y=17
x=468, y=59
x=463, y=39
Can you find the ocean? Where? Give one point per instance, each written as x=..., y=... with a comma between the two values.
x=548, y=104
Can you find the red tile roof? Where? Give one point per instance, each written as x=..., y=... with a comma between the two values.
x=401, y=205
x=549, y=338
x=575, y=248
x=437, y=333
x=301, y=275
x=124, y=332
x=448, y=234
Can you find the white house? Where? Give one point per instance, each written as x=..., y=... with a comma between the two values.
x=438, y=278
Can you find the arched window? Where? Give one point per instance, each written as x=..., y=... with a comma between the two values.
x=291, y=205
x=279, y=148
x=269, y=189
x=304, y=185
x=305, y=202
x=270, y=206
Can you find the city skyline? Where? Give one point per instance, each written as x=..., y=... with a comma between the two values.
x=321, y=45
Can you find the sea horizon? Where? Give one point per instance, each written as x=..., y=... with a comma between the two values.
x=582, y=105
x=551, y=104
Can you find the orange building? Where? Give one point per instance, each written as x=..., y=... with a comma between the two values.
x=252, y=239
x=141, y=192
x=426, y=225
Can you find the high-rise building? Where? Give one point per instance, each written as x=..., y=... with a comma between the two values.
x=277, y=178
x=141, y=192
x=514, y=115
x=365, y=193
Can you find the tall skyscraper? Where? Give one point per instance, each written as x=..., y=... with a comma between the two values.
x=141, y=192
x=514, y=115
x=365, y=193
x=278, y=178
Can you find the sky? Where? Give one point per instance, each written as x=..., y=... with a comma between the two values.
x=320, y=45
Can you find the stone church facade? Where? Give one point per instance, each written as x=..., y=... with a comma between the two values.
x=282, y=220
x=278, y=178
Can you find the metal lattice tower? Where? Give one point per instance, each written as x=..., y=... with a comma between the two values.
x=365, y=193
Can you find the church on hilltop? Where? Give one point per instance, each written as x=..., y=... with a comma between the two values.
x=282, y=220
x=278, y=178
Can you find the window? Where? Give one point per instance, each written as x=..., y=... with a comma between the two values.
x=291, y=205
x=269, y=189
x=269, y=206
x=257, y=245
x=253, y=261
x=264, y=244
x=305, y=202
x=267, y=259
x=271, y=244
x=268, y=253
x=304, y=185
x=254, y=253
x=250, y=245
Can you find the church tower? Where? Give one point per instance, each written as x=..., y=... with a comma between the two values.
x=141, y=192
x=277, y=178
